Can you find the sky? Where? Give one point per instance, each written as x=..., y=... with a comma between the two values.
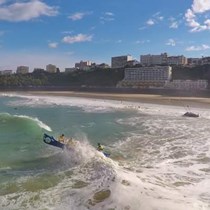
x=35, y=33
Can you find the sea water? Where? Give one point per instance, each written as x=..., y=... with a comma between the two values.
x=159, y=160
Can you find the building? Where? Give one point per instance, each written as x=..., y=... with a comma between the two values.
x=100, y=66
x=22, y=70
x=194, y=61
x=120, y=61
x=148, y=60
x=38, y=70
x=132, y=63
x=83, y=65
x=205, y=60
x=187, y=84
x=51, y=68
x=6, y=72
x=177, y=60
x=162, y=59
x=145, y=77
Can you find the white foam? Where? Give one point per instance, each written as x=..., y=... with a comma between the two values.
x=100, y=105
x=152, y=151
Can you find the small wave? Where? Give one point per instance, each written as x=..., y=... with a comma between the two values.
x=5, y=168
x=40, y=123
x=35, y=119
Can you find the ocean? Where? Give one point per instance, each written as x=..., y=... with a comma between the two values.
x=159, y=159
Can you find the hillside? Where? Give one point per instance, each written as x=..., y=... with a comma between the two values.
x=96, y=78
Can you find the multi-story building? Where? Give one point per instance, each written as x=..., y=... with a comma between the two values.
x=22, y=70
x=205, y=60
x=146, y=77
x=5, y=72
x=193, y=61
x=162, y=59
x=120, y=61
x=83, y=65
x=38, y=70
x=149, y=60
x=177, y=60
x=51, y=68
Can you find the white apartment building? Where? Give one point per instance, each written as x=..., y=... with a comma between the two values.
x=22, y=70
x=146, y=77
x=120, y=61
x=187, y=84
x=51, y=68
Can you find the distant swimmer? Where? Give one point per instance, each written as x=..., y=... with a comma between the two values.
x=100, y=147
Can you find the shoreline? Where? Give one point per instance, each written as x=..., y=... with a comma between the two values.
x=185, y=101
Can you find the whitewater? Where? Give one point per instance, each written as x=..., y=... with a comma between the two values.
x=159, y=159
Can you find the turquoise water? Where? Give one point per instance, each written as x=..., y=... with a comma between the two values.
x=159, y=160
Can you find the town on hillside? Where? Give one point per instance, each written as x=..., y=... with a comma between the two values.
x=152, y=71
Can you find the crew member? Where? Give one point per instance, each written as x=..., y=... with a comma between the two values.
x=61, y=139
x=100, y=147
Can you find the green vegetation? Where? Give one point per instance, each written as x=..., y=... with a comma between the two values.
x=102, y=77
x=97, y=78
x=198, y=72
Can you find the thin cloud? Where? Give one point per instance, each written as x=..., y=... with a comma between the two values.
x=150, y=22
x=174, y=24
x=25, y=11
x=53, y=45
x=142, y=41
x=192, y=14
x=142, y=28
x=67, y=32
x=119, y=41
x=171, y=42
x=78, y=15
x=77, y=38
x=198, y=48
x=156, y=18
x=108, y=16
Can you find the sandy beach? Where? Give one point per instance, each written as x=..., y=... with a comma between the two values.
x=196, y=102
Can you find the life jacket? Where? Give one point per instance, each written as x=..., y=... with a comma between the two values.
x=100, y=148
x=61, y=139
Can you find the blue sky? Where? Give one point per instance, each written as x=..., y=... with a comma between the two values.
x=62, y=32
